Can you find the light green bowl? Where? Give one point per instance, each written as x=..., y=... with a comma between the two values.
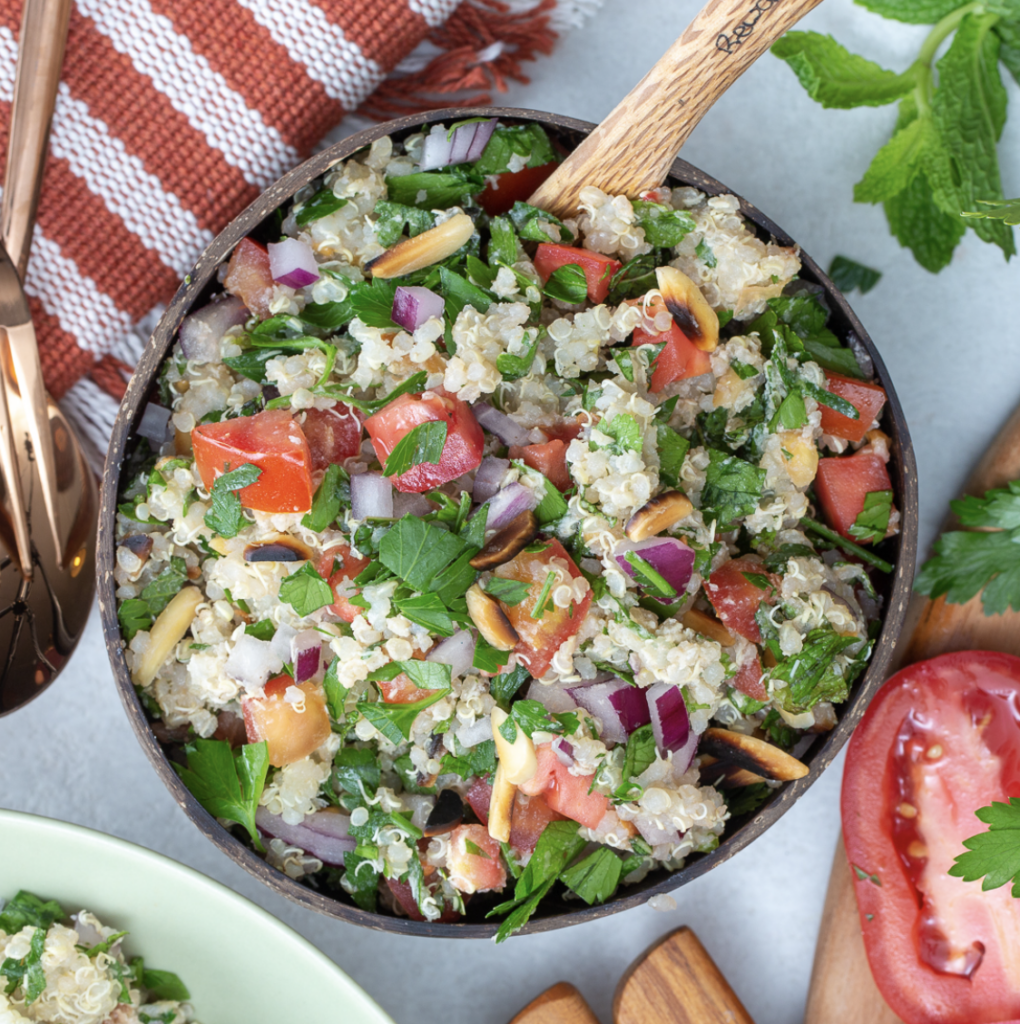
x=240, y=964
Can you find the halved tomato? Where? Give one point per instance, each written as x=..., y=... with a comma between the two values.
x=541, y=638
x=271, y=440
x=291, y=735
x=735, y=598
x=338, y=567
x=598, y=269
x=680, y=359
x=843, y=483
x=550, y=459
x=462, y=451
x=477, y=867
x=249, y=277
x=512, y=186
x=938, y=741
x=530, y=816
x=564, y=793
x=333, y=435
x=866, y=398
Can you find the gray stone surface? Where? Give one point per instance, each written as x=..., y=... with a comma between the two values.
x=951, y=345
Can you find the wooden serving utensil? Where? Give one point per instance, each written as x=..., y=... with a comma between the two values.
x=842, y=989
x=674, y=980
x=632, y=149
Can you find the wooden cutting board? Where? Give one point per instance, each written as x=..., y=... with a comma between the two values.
x=842, y=990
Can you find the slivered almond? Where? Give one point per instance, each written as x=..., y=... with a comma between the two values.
x=490, y=619
x=662, y=512
x=423, y=250
x=707, y=626
x=501, y=806
x=167, y=631
x=752, y=754
x=518, y=759
x=726, y=776
x=688, y=307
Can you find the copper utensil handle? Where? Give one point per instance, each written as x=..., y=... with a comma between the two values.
x=10, y=471
x=40, y=56
x=633, y=148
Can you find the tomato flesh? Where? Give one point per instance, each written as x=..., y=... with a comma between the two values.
x=332, y=434
x=339, y=567
x=843, y=483
x=940, y=739
x=564, y=793
x=249, y=277
x=462, y=451
x=512, y=186
x=530, y=816
x=680, y=359
x=736, y=599
x=866, y=398
x=271, y=440
x=290, y=735
x=550, y=459
x=748, y=679
x=540, y=639
x=470, y=871
x=598, y=269
x=479, y=796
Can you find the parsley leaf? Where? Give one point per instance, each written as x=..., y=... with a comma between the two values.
x=416, y=551
x=477, y=761
x=488, y=658
x=663, y=226
x=437, y=190
x=513, y=367
x=164, y=985
x=846, y=274
x=639, y=755
x=506, y=684
x=226, y=784
x=510, y=592
x=732, y=489
x=811, y=675
x=502, y=242
x=426, y=675
x=532, y=224
x=871, y=524
x=567, y=283
x=394, y=721
x=528, y=140
x=391, y=218
x=995, y=854
x=331, y=495
x=305, y=590
x=596, y=877
x=27, y=972
x=673, y=448
x=356, y=771
x=322, y=204
x=225, y=516
x=424, y=443
x=28, y=909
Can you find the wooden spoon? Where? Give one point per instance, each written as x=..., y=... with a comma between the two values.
x=632, y=149
x=842, y=989
x=674, y=981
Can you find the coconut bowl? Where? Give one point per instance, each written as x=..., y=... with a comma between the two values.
x=258, y=220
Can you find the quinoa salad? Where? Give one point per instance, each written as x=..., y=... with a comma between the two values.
x=470, y=560
x=72, y=969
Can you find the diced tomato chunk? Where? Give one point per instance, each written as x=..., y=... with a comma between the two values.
x=462, y=451
x=598, y=269
x=291, y=735
x=564, y=431
x=735, y=598
x=565, y=793
x=748, y=679
x=530, y=816
x=472, y=871
x=271, y=440
x=333, y=435
x=404, y=896
x=550, y=459
x=866, y=398
x=347, y=567
x=843, y=483
x=479, y=796
x=249, y=277
x=680, y=359
x=540, y=638
x=513, y=186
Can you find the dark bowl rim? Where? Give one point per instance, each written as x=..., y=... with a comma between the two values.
x=818, y=757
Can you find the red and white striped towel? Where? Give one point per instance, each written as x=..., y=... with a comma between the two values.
x=172, y=115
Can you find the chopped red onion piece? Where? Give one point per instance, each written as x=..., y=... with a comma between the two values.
x=477, y=732
x=671, y=724
x=683, y=757
x=564, y=751
x=435, y=152
x=202, y=331
x=487, y=479
x=457, y=651
x=154, y=423
x=252, y=662
x=292, y=262
x=281, y=641
x=483, y=132
x=467, y=143
x=553, y=698
x=306, y=655
x=411, y=505
x=413, y=305
x=371, y=496
x=620, y=707
x=508, y=504
x=323, y=834
x=508, y=430
x=461, y=142
x=670, y=557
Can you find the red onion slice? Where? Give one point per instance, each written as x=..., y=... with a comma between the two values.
x=461, y=142
x=671, y=725
x=412, y=306
x=483, y=132
x=508, y=504
x=467, y=143
x=620, y=707
x=154, y=423
x=435, y=152
x=488, y=478
x=457, y=651
x=292, y=262
x=564, y=751
x=306, y=655
x=670, y=557
x=322, y=834
x=508, y=430
x=202, y=331
x=371, y=496
x=252, y=662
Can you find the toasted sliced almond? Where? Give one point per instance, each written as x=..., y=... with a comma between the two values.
x=707, y=626
x=662, y=512
x=501, y=806
x=167, y=632
x=688, y=307
x=518, y=759
x=423, y=250
x=514, y=537
x=751, y=753
x=490, y=619
x=727, y=776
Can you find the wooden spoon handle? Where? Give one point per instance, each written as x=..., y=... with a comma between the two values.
x=633, y=148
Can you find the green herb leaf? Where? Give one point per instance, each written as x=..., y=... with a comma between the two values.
x=506, y=684
x=224, y=516
x=510, y=592
x=414, y=385
x=532, y=224
x=426, y=675
x=841, y=542
x=1008, y=210
x=426, y=610
x=164, y=985
x=746, y=799
x=871, y=524
x=553, y=505
x=394, y=721
x=639, y=756
x=528, y=140
x=434, y=190
x=27, y=909
x=305, y=590
x=995, y=854
x=663, y=226
x=328, y=499
x=673, y=448
x=914, y=12
x=356, y=771
x=514, y=367
x=502, y=242
x=847, y=275
x=416, y=551
x=732, y=489
x=362, y=876
x=134, y=617
x=27, y=972
x=226, y=784
x=252, y=363
x=895, y=165
x=811, y=675
x=478, y=761
x=567, y=283
x=488, y=658
x=459, y=292
x=322, y=204
x=596, y=877
x=392, y=218
x=424, y=443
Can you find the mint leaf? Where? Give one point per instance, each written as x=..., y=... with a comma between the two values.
x=424, y=443
x=506, y=684
x=459, y=292
x=639, y=756
x=837, y=78
x=27, y=972
x=531, y=224
x=328, y=499
x=225, y=516
x=914, y=12
x=394, y=721
x=1009, y=53
x=488, y=658
x=322, y=204
x=134, y=617
x=356, y=771
x=994, y=854
x=28, y=909
x=1007, y=211
x=846, y=275
x=896, y=164
x=920, y=226
x=514, y=367
x=305, y=590
x=567, y=284
x=502, y=242
x=426, y=675
x=871, y=524
x=226, y=784
x=596, y=877
x=477, y=761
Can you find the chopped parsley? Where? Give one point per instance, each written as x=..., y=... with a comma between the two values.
x=305, y=590
x=424, y=443
x=225, y=516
